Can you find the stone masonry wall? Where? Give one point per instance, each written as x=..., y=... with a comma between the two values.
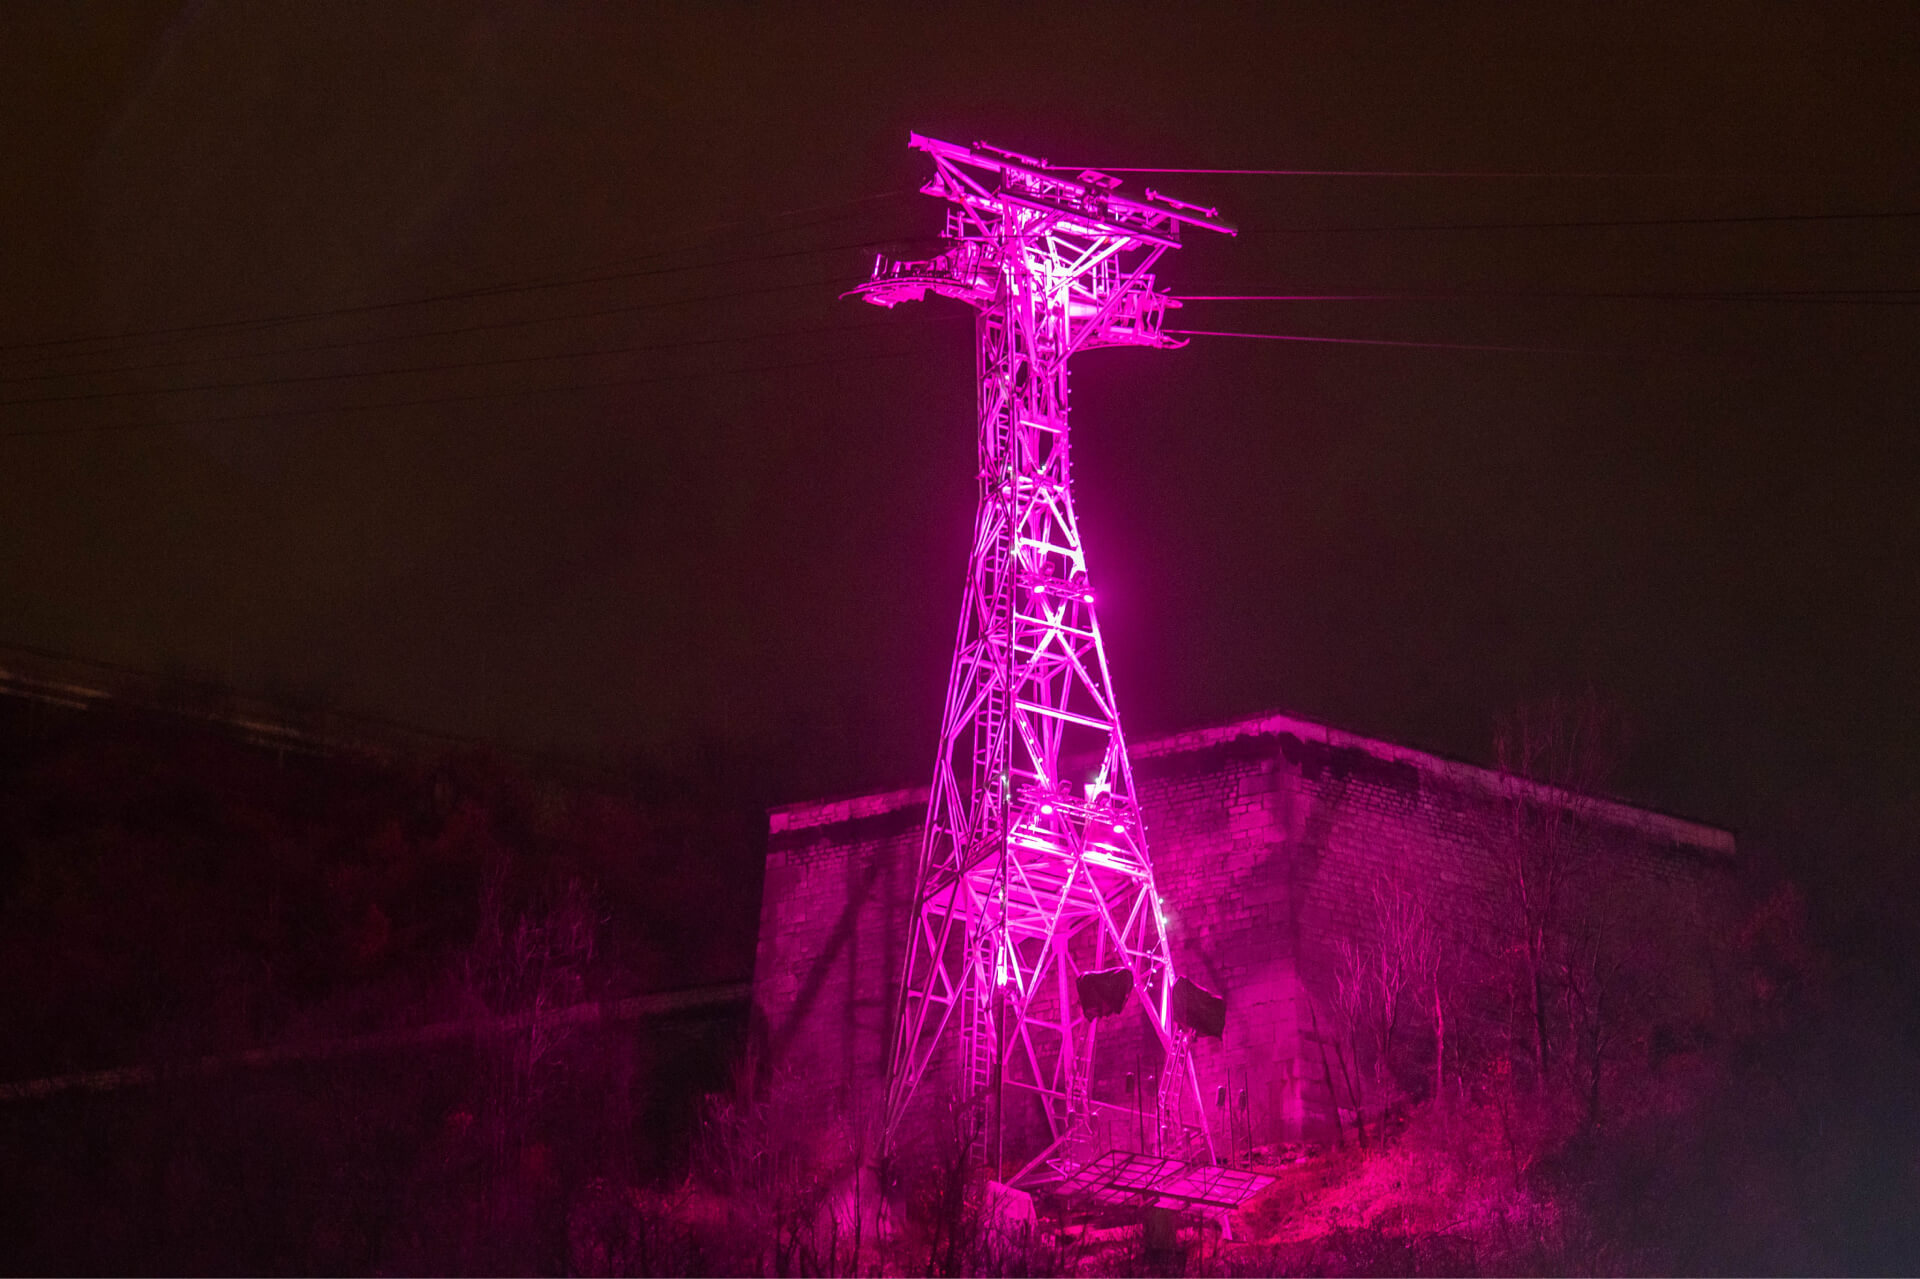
x=839, y=887
x=1268, y=838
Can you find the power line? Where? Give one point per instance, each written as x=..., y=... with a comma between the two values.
x=135, y=338
x=1905, y=297
x=1436, y=346
x=138, y=338
x=416, y=334
x=367, y=308
x=494, y=290
x=703, y=235
x=1729, y=220
x=434, y=400
x=1895, y=297
x=1405, y=173
x=499, y=362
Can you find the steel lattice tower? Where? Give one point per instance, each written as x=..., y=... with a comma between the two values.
x=1034, y=870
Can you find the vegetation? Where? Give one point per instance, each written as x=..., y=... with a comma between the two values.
x=176, y=901
x=264, y=937
x=1775, y=1146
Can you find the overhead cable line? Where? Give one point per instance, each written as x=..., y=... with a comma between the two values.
x=1409, y=173
x=109, y=428
x=460, y=330
x=1894, y=297
x=144, y=337
x=134, y=339
x=703, y=235
x=1832, y=297
x=367, y=308
x=481, y=291
x=1727, y=220
x=499, y=362
x=1437, y=346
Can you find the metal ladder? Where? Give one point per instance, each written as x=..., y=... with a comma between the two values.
x=977, y=1051
x=1170, y=1132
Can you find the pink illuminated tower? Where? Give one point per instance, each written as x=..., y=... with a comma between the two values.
x=1034, y=907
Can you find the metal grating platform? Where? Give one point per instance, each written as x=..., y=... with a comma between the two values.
x=1124, y=1178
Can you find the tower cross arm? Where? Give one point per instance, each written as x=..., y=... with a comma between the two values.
x=1018, y=217
x=1088, y=194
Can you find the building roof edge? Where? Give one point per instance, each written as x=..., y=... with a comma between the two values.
x=805, y=814
x=1663, y=826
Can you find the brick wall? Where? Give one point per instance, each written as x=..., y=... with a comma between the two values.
x=1268, y=837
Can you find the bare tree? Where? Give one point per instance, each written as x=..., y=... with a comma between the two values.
x=1556, y=757
x=1398, y=971
x=1592, y=976
x=1354, y=1008
x=527, y=968
x=1431, y=969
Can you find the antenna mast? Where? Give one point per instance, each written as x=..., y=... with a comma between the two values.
x=1034, y=892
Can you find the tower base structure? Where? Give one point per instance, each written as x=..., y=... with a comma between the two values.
x=1270, y=836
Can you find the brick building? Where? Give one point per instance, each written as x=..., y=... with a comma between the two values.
x=1269, y=837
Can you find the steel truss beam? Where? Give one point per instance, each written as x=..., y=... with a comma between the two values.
x=1034, y=867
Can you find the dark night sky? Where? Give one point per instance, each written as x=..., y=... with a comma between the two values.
x=1709, y=518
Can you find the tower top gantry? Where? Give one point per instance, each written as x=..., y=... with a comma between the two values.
x=1006, y=202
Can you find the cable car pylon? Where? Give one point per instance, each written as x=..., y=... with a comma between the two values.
x=1034, y=911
